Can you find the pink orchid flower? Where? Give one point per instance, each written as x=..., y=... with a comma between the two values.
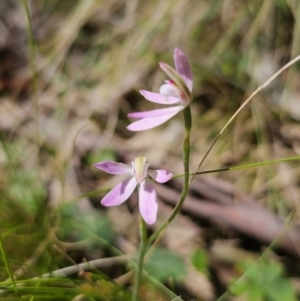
x=176, y=90
x=139, y=177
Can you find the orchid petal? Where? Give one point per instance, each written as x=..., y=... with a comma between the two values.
x=149, y=123
x=169, y=90
x=185, y=93
x=112, y=167
x=158, y=98
x=148, y=202
x=183, y=67
x=156, y=113
x=120, y=193
x=160, y=175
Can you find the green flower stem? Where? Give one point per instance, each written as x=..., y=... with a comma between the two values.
x=139, y=267
x=143, y=235
x=186, y=160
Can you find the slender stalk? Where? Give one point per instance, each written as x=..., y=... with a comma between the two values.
x=31, y=43
x=250, y=165
x=261, y=87
x=139, y=267
x=186, y=160
x=5, y=259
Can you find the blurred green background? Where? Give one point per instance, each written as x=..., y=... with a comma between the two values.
x=70, y=72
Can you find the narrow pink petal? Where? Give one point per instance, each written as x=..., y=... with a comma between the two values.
x=158, y=98
x=112, y=167
x=160, y=175
x=155, y=113
x=148, y=202
x=120, y=193
x=149, y=123
x=183, y=67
